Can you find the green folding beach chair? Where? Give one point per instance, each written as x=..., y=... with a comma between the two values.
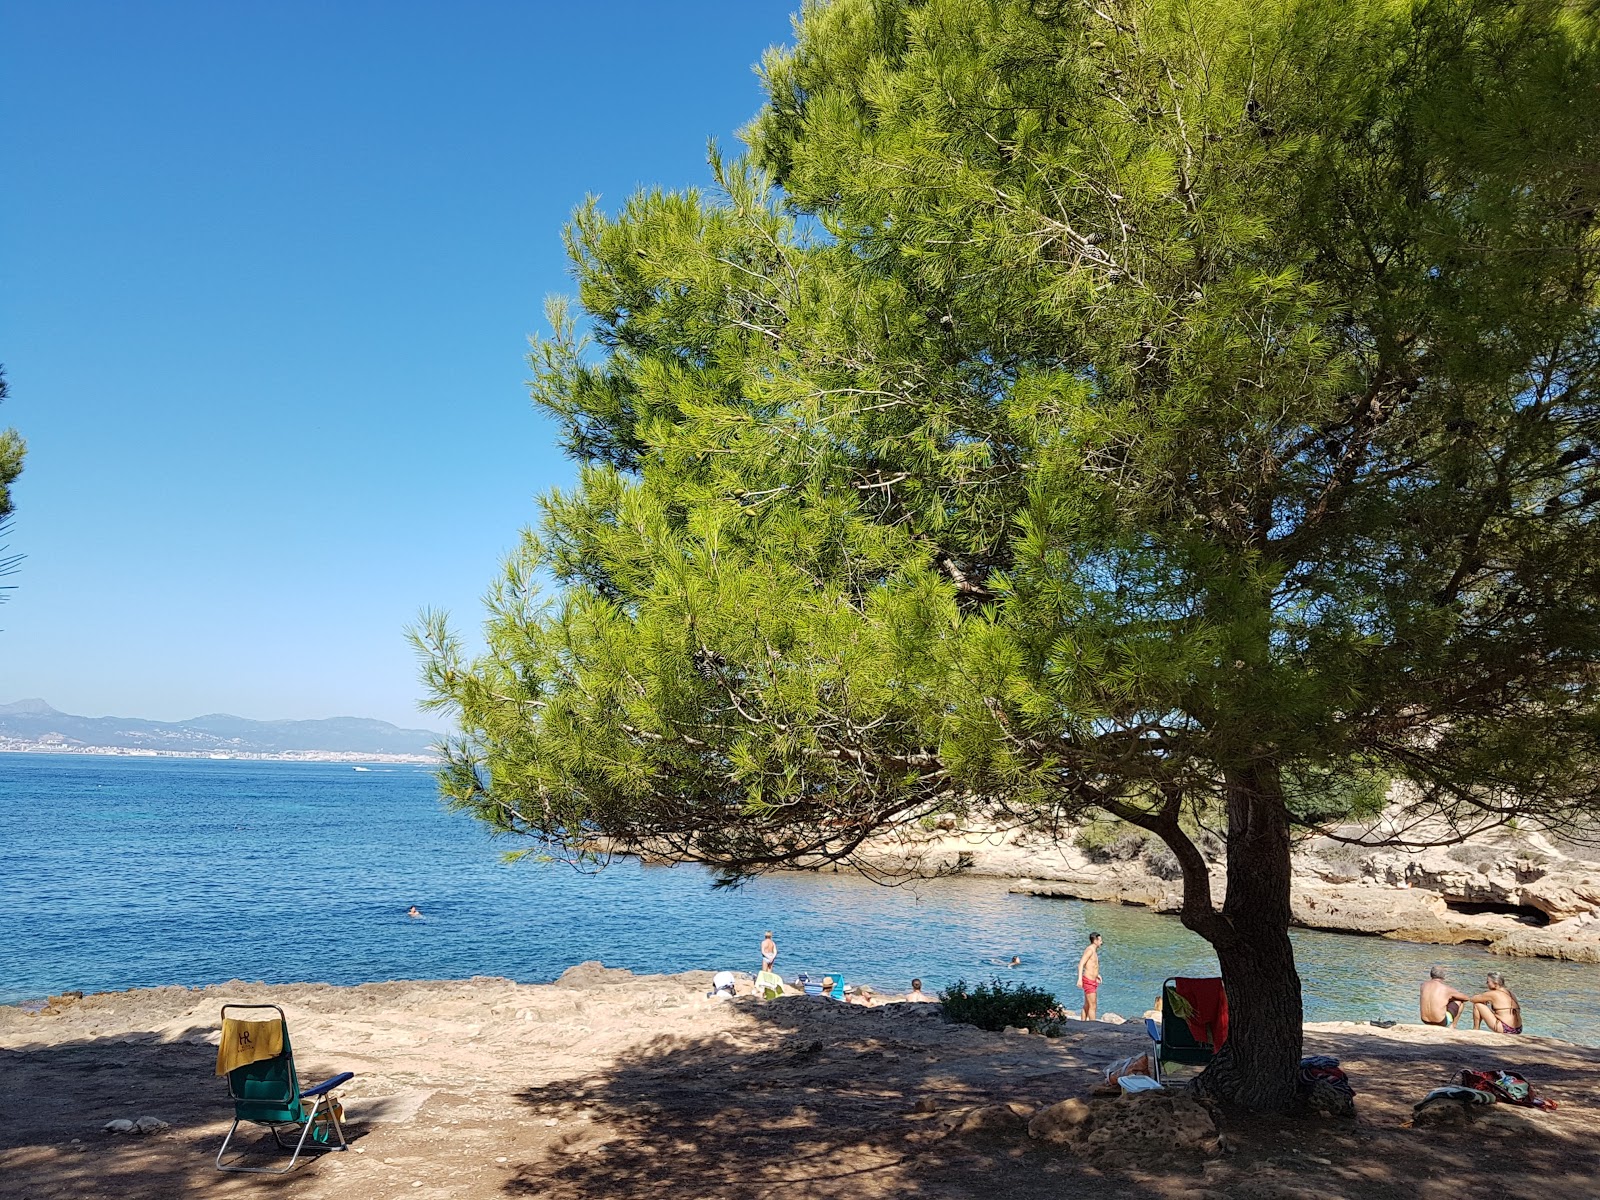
x=268, y=1092
x=1174, y=1043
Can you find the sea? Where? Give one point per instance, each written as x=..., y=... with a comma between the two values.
x=121, y=872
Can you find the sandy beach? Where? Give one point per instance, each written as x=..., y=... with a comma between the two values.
x=606, y=1084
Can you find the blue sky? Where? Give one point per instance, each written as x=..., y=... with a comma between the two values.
x=267, y=272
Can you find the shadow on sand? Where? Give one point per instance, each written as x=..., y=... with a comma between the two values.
x=795, y=1098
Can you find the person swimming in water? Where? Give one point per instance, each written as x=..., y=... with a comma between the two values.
x=414, y=911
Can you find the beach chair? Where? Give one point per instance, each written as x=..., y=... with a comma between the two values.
x=266, y=1090
x=1174, y=1042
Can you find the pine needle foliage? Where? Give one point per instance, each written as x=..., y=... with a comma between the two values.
x=1182, y=409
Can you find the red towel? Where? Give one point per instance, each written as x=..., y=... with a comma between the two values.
x=1210, y=1004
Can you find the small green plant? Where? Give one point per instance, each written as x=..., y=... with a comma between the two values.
x=995, y=1005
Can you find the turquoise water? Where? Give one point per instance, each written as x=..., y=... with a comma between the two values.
x=127, y=872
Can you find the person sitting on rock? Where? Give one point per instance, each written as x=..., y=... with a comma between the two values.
x=1496, y=1008
x=1440, y=1004
x=917, y=996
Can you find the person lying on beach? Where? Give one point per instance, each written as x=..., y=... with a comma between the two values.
x=1440, y=1004
x=1496, y=1008
x=860, y=995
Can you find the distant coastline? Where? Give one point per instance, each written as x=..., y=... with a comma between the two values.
x=15, y=746
x=34, y=727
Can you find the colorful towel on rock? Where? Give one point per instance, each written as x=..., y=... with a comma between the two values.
x=1453, y=1094
x=1325, y=1087
x=1506, y=1086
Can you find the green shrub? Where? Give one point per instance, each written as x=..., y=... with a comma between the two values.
x=1105, y=839
x=995, y=1005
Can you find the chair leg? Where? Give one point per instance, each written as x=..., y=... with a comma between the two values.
x=305, y=1132
x=224, y=1148
x=221, y=1166
x=338, y=1126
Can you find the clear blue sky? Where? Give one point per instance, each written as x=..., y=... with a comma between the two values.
x=267, y=271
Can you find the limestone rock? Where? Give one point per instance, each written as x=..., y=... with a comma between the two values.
x=587, y=976
x=1500, y=1119
x=1569, y=941
x=1123, y=883
x=1059, y=1123
x=990, y=1118
x=150, y=1125
x=1561, y=895
x=1131, y=1123
x=1352, y=909
x=120, y=1125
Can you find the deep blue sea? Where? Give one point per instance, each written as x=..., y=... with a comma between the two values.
x=130, y=872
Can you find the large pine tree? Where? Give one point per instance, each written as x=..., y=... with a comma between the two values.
x=1152, y=407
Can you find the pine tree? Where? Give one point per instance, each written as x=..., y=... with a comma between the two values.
x=1157, y=408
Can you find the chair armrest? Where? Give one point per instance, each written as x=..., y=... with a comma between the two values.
x=327, y=1085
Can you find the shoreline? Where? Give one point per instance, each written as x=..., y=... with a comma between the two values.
x=12, y=746
x=607, y=1084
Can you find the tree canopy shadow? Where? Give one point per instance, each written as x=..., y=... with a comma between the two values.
x=57, y=1099
x=827, y=1103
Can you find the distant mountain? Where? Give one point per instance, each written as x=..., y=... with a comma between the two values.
x=34, y=721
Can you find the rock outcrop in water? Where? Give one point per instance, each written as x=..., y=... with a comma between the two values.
x=1519, y=894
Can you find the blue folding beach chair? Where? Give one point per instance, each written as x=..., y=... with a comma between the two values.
x=268, y=1092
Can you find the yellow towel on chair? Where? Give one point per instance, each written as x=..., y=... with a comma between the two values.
x=247, y=1042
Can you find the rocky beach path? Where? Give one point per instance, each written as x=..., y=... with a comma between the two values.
x=606, y=1084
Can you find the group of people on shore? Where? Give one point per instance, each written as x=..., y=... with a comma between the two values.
x=769, y=983
x=1495, y=1008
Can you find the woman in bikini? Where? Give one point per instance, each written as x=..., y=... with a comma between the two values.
x=1497, y=1008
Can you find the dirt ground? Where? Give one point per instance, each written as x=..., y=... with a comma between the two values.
x=609, y=1085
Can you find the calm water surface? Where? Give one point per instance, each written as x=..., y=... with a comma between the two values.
x=127, y=872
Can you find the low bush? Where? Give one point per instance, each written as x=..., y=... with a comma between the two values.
x=1105, y=839
x=995, y=1005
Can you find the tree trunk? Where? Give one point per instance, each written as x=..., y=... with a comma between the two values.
x=1260, y=1065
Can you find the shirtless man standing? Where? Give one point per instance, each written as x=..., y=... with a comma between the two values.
x=769, y=951
x=1440, y=1003
x=1497, y=1008
x=1089, y=977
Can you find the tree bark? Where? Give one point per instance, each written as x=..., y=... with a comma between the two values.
x=1259, y=1067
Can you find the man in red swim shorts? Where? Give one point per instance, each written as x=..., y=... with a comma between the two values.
x=1089, y=976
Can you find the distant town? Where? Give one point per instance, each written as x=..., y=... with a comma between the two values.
x=16, y=746
x=34, y=727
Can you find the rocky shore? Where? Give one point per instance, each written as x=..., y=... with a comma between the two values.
x=1519, y=895
x=608, y=1085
